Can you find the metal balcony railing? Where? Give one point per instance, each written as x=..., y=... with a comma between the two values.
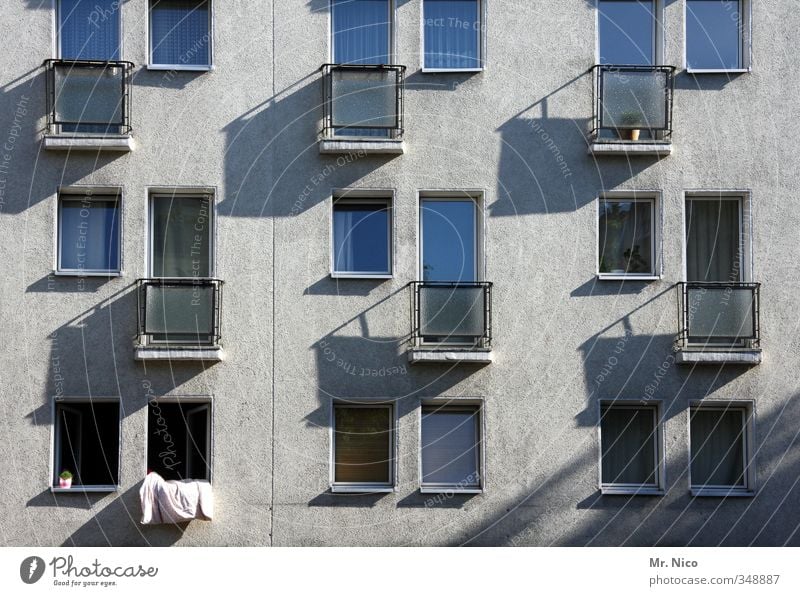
x=362, y=100
x=633, y=103
x=718, y=315
x=88, y=96
x=451, y=315
x=183, y=312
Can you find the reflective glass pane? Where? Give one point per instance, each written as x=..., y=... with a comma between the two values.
x=626, y=237
x=452, y=311
x=172, y=309
x=361, y=31
x=180, y=32
x=89, y=234
x=452, y=33
x=628, y=437
x=627, y=31
x=89, y=29
x=713, y=34
x=713, y=240
x=720, y=313
x=450, y=446
x=634, y=99
x=449, y=230
x=364, y=98
x=91, y=94
x=717, y=438
x=181, y=236
x=362, y=444
x=361, y=237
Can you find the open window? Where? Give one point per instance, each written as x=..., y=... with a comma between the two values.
x=179, y=439
x=451, y=448
x=86, y=444
x=363, y=447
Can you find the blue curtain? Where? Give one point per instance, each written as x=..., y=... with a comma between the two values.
x=627, y=31
x=452, y=33
x=361, y=31
x=90, y=234
x=89, y=29
x=180, y=32
x=360, y=238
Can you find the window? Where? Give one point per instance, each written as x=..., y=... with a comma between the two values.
x=181, y=235
x=628, y=31
x=631, y=459
x=89, y=29
x=362, y=31
x=180, y=34
x=627, y=238
x=452, y=33
x=86, y=443
x=720, y=449
x=451, y=448
x=717, y=35
x=449, y=238
x=363, y=447
x=88, y=234
x=179, y=439
x=362, y=237
x=714, y=239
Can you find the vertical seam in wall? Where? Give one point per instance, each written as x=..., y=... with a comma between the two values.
x=272, y=466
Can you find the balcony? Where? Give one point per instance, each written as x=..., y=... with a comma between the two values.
x=88, y=105
x=719, y=323
x=451, y=322
x=179, y=319
x=362, y=109
x=632, y=110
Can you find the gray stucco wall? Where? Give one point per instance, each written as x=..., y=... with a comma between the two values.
x=249, y=129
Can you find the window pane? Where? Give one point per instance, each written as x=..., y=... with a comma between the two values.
x=628, y=437
x=713, y=251
x=361, y=237
x=452, y=33
x=89, y=234
x=713, y=34
x=717, y=447
x=181, y=237
x=627, y=31
x=448, y=240
x=87, y=443
x=361, y=31
x=180, y=32
x=362, y=444
x=89, y=29
x=626, y=237
x=450, y=449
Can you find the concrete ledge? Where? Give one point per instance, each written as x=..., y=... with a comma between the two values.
x=612, y=148
x=163, y=353
x=423, y=356
x=750, y=357
x=89, y=143
x=382, y=147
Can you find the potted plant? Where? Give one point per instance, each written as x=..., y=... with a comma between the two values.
x=628, y=121
x=65, y=479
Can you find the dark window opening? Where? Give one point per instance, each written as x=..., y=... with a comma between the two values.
x=179, y=440
x=87, y=443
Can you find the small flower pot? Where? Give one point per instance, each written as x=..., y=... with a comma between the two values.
x=633, y=134
x=65, y=482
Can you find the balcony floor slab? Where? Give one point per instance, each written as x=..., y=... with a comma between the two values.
x=427, y=356
x=748, y=357
x=210, y=354
x=629, y=149
x=382, y=147
x=89, y=143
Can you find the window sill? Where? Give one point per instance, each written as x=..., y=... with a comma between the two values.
x=629, y=490
x=447, y=355
x=718, y=356
x=451, y=70
x=88, y=273
x=361, y=489
x=722, y=492
x=361, y=276
x=362, y=146
x=184, y=67
x=612, y=147
x=88, y=142
x=450, y=490
x=173, y=353
x=623, y=277
x=85, y=489
x=694, y=71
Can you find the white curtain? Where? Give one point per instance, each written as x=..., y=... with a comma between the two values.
x=180, y=32
x=361, y=31
x=452, y=33
x=89, y=29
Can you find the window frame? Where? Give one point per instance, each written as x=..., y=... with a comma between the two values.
x=87, y=193
x=482, y=35
x=180, y=67
x=57, y=29
x=659, y=34
x=660, y=463
x=748, y=409
x=745, y=42
x=392, y=32
x=655, y=199
x=364, y=196
x=745, y=226
x=160, y=193
x=476, y=404
x=55, y=449
x=196, y=400
x=364, y=487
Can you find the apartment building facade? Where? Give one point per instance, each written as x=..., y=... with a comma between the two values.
x=401, y=272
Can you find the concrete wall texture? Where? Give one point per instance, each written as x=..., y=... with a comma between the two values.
x=249, y=129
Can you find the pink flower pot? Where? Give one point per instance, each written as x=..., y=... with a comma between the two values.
x=65, y=482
